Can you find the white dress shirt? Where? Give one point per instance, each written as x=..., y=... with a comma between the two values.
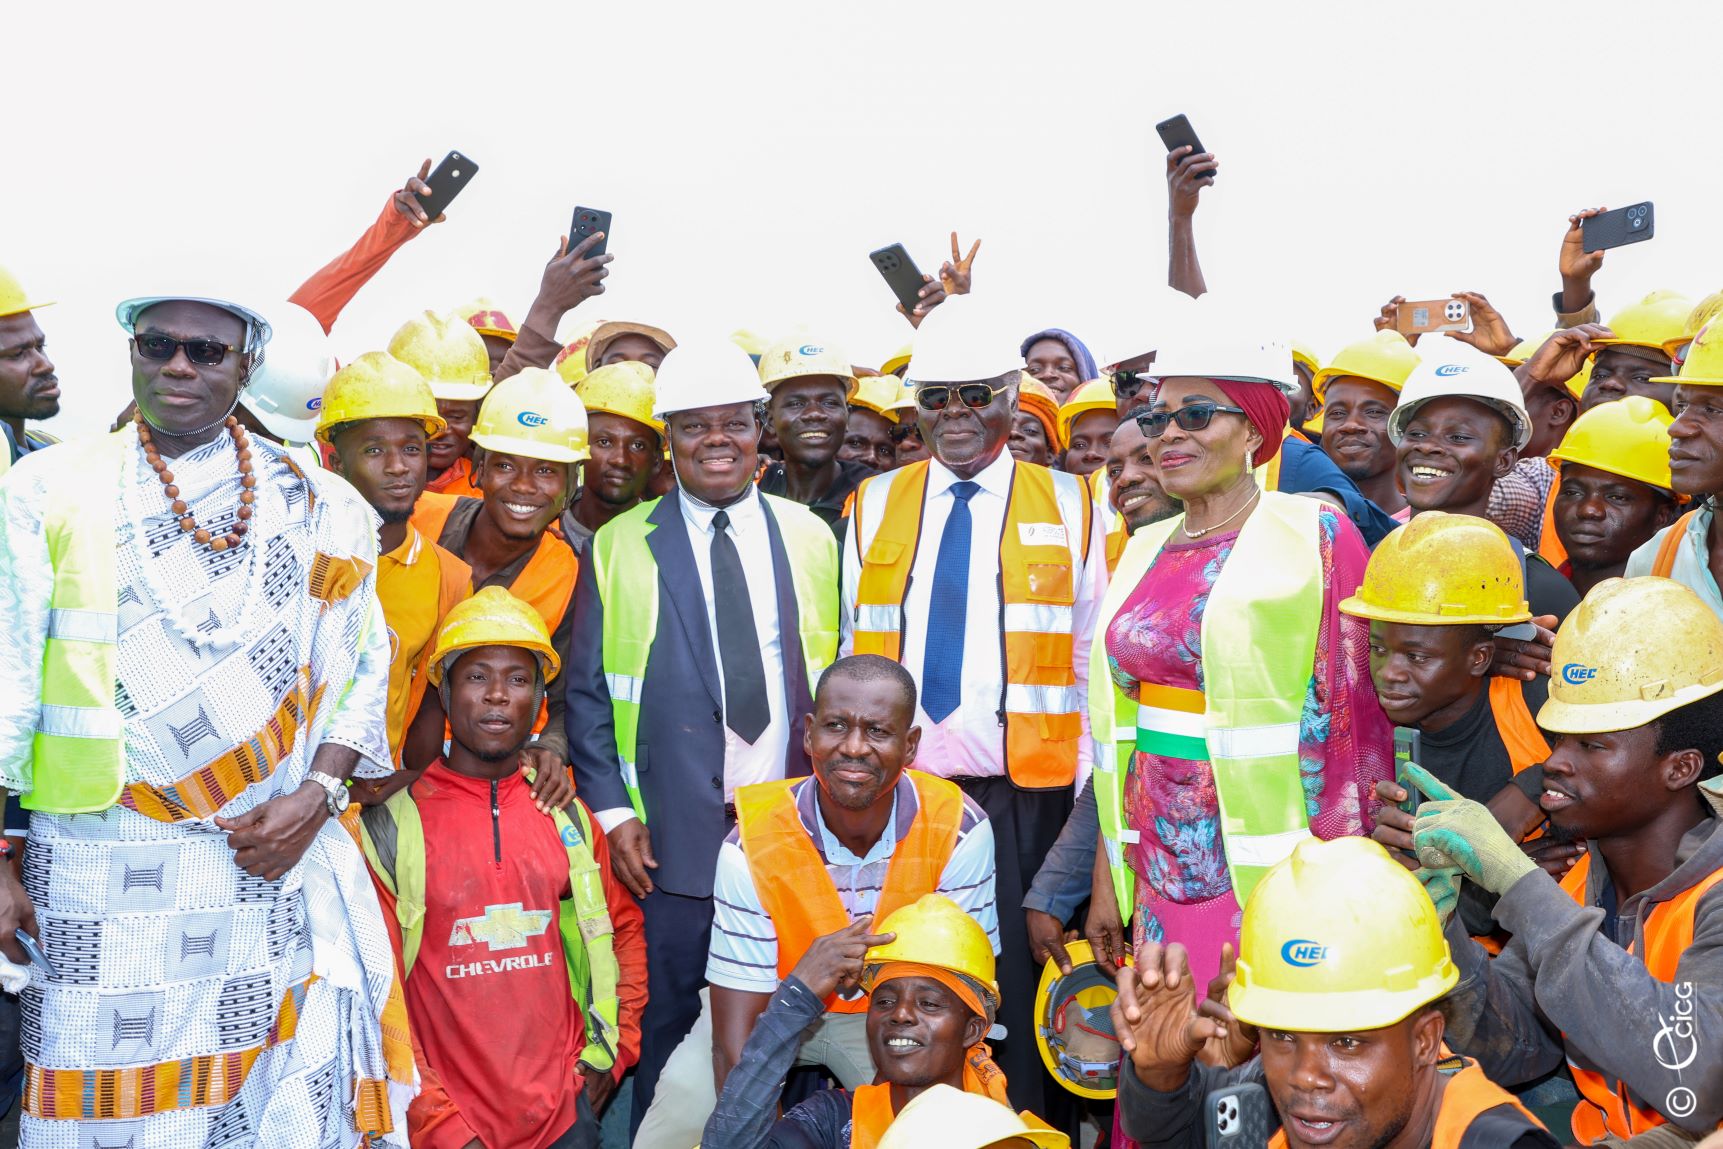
x=763, y=760
x=971, y=741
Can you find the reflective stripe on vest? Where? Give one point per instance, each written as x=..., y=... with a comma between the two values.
x=791, y=878
x=393, y=839
x=1549, y=543
x=1039, y=703
x=1606, y=1108
x=1466, y=1096
x=1671, y=545
x=627, y=579
x=1258, y=647
x=1519, y=731
x=77, y=760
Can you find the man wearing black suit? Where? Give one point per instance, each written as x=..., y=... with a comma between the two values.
x=701, y=620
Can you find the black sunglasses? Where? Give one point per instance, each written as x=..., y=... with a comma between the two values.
x=1192, y=418
x=1126, y=384
x=203, y=352
x=975, y=396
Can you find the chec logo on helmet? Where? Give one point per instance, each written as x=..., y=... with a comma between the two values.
x=1448, y=370
x=531, y=419
x=316, y=403
x=810, y=349
x=1574, y=673
x=1303, y=953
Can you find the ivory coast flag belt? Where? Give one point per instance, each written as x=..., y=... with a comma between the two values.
x=1170, y=722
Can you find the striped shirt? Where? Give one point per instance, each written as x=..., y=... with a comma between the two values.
x=744, y=950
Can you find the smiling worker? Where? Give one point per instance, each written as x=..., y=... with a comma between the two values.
x=810, y=386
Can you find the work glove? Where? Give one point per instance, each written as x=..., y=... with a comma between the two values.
x=1442, y=883
x=1454, y=831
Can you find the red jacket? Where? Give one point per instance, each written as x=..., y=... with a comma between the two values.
x=494, y=1028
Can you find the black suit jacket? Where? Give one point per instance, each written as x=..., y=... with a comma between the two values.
x=680, y=755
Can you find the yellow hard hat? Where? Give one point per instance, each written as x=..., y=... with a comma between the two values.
x=447, y=352
x=752, y=342
x=1703, y=366
x=493, y=617
x=1652, y=322
x=798, y=357
x=1629, y=437
x=1095, y=395
x=954, y=1119
x=879, y=394
x=1037, y=399
x=1443, y=570
x=1384, y=357
x=899, y=360
x=570, y=362
x=1633, y=650
x=1338, y=938
x=14, y=300
x=611, y=330
x=377, y=386
x=1303, y=356
x=1698, y=319
x=487, y=318
x=534, y=414
x=1074, y=1025
x=622, y=389
x=936, y=931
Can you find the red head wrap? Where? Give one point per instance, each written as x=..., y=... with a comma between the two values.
x=1266, y=407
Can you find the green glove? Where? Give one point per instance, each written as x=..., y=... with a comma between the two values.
x=1457, y=831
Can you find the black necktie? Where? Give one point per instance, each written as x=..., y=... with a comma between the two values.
x=745, y=708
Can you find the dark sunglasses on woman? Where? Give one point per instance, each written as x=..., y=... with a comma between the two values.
x=1192, y=418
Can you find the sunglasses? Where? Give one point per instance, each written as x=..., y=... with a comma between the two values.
x=1192, y=418
x=203, y=352
x=975, y=396
x=1126, y=384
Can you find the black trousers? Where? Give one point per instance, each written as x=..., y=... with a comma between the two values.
x=678, y=934
x=1025, y=825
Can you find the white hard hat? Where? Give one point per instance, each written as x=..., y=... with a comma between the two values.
x=286, y=391
x=708, y=373
x=954, y=1119
x=960, y=342
x=257, y=329
x=1446, y=367
x=1237, y=359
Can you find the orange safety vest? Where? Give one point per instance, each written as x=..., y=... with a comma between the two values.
x=1671, y=545
x=1468, y=1096
x=546, y=583
x=1040, y=705
x=791, y=879
x=1520, y=734
x=456, y=482
x=1549, y=543
x=871, y=1115
x=1606, y=1109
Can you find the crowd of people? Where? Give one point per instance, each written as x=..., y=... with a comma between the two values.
x=491, y=740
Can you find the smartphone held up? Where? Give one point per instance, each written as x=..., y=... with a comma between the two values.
x=1620, y=227
x=448, y=181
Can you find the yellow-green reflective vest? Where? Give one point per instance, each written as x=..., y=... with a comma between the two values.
x=77, y=764
x=627, y=577
x=393, y=838
x=1259, y=634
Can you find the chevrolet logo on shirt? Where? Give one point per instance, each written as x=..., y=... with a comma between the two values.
x=501, y=927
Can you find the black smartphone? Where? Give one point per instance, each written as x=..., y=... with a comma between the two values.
x=1238, y=1117
x=1406, y=749
x=586, y=221
x=900, y=274
x=446, y=183
x=1624, y=225
x=1177, y=133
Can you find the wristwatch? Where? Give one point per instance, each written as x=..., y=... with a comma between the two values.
x=335, y=795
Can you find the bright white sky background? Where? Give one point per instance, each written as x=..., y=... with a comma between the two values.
x=754, y=152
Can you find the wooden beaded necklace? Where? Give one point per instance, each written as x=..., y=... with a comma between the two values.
x=187, y=523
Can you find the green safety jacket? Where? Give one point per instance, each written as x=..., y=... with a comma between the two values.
x=627, y=577
x=393, y=838
x=1259, y=634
